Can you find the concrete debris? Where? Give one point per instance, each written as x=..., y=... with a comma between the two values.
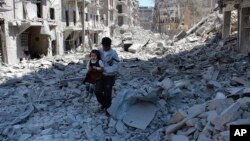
x=190, y=89
x=179, y=138
x=140, y=115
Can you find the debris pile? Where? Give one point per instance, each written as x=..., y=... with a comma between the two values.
x=190, y=90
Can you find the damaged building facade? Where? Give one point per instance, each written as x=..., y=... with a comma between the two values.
x=31, y=30
x=71, y=24
x=170, y=15
x=127, y=12
x=36, y=28
x=166, y=15
x=146, y=17
x=243, y=8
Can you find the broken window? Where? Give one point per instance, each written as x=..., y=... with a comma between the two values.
x=86, y=17
x=67, y=17
x=39, y=8
x=111, y=16
x=52, y=13
x=95, y=38
x=120, y=20
x=80, y=39
x=91, y=16
x=25, y=41
x=119, y=8
x=97, y=18
x=74, y=17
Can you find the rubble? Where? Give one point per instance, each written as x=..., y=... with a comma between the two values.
x=192, y=89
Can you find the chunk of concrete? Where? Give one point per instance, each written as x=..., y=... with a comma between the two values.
x=134, y=47
x=196, y=108
x=241, y=81
x=192, y=122
x=140, y=115
x=178, y=116
x=179, y=138
x=172, y=128
x=120, y=127
x=219, y=105
x=166, y=84
x=211, y=115
x=239, y=122
x=160, y=44
x=203, y=137
x=220, y=95
x=24, y=137
x=228, y=115
x=116, y=110
x=182, y=83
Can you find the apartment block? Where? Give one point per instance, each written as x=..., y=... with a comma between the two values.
x=32, y=29
x=128, y=12
x=109, y=16
x=170, y=15
x=146, y=17
x=71, y=24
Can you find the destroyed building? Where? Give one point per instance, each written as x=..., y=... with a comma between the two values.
x=109, y=16
x=71, y=24
x=170, y=15
x=37, y=28
x=30, y=30
x=190, y=89
x=146, y=17
x=243, y=24
x=127, y=12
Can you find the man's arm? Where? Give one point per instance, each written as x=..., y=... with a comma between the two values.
x=113, y=67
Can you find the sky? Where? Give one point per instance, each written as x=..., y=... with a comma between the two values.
x=146, y=3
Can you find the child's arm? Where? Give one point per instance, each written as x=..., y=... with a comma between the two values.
x=101, y=68
x=88, y=67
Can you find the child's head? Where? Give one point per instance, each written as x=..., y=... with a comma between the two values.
x=95, y=55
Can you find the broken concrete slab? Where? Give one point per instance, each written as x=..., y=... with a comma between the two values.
x=228, y=115
x=116, y=110
x=120, y=127
x=239, y=122
x=166, y=84
x=140, y=115
x=172, y=128
x=220, y=95
x=178, y=116
x=241, y=81
x=203, y=137
x=179, y=138
x=134, y=47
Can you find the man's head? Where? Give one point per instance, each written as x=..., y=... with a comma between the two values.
x=106, y=43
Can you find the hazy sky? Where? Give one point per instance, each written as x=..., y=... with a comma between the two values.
x=146, y=3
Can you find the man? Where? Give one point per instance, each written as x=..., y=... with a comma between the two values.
x=103, y=90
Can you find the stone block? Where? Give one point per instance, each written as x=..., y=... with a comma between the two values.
x=178, y=116
x=179, y=138
x=228, y=115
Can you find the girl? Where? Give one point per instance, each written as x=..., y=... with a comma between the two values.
x=94, y=72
